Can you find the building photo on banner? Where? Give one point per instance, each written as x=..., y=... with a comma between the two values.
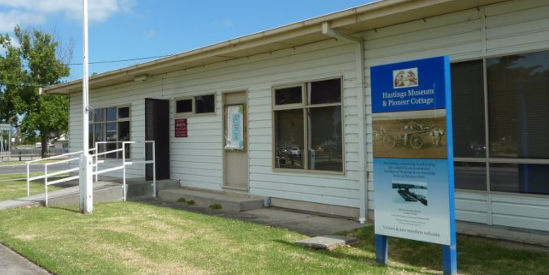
x=413, y=165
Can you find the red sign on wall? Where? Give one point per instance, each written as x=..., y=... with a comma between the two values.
x=181, y=127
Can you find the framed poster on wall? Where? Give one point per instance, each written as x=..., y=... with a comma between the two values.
x=235, y=138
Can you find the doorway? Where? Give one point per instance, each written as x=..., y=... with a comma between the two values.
x=235, y=134
x=157, y=128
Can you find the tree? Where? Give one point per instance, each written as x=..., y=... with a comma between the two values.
x=30, y=62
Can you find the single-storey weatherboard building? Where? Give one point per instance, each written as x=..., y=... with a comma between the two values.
x=304, y=92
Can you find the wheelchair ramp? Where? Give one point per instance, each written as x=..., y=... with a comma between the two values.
x=103, y=191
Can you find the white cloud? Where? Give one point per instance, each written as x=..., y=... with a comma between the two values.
x=150, y=33
x=9, y=19
x=36, y=11
x=224, y=22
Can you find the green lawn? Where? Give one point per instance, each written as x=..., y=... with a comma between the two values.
x=130, y=238
x=15, y=186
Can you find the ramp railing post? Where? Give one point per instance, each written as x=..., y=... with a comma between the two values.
x=124, y=170
x=154, y=167
x=28, y=181
x=46, y=182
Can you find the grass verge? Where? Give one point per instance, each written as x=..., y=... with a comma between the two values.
x=24, y=162
x=135, y=238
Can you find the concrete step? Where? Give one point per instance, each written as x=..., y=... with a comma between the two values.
x=144, y=189
x=102, y=192
x=206, y=198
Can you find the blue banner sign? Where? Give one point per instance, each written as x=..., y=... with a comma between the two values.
x=413, y=153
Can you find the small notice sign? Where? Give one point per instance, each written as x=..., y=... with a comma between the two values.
x=181, y=128
x=234, y=138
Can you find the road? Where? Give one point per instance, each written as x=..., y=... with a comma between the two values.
x=13, y=169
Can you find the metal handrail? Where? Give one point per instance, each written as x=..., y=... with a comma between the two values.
x=95, y=164
x=29, y=179
x=46, y=175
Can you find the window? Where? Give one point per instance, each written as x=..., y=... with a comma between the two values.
x=308, y=127
x=184, y=106
x=112, y=125
x=202, y=104
x=508, y=139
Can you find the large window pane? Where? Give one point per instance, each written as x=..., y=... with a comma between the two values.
x=325, y=142
x=124, y=130
x=99, y=132
x=111, y=114
x=98, y=135
x=468, y=109
x=99, y=115
x=110, y=135
x=290, y=95
x=470, y=175
x=289, y=139
x=124, y=135
x=323, y=92
x=521, y=178
x=204, y=104
x=518, y=88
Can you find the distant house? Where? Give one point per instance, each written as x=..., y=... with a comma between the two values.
x=286, y=113
x=61, y=144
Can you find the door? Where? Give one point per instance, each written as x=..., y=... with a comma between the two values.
x=236, y=138
x=157, y=128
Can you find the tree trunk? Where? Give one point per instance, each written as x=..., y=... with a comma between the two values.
x=44, y=142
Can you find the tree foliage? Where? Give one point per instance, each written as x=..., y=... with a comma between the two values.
x=27, y=62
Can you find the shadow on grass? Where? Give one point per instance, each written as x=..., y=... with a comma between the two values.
x=341, y=255
x=475, y=255
x=65, y=208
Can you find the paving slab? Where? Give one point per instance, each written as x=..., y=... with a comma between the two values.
x=306, y=223
x=328, y=242
x=14, y=264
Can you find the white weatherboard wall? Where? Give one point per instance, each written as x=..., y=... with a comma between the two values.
x=198, y=159
x=499, y=29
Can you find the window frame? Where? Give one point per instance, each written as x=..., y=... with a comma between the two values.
x=487, y=159
x=105, y=122
x=305, y=85
x=193, y=112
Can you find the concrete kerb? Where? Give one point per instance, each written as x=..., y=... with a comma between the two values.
x=13, y=263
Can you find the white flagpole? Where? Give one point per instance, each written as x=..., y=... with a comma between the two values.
x=85, y=184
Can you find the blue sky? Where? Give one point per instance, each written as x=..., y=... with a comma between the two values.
x=125, y=29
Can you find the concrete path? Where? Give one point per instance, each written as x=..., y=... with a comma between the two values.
x=18, y=169
x=69, y=195
x=309, y=224
x=14, y=264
